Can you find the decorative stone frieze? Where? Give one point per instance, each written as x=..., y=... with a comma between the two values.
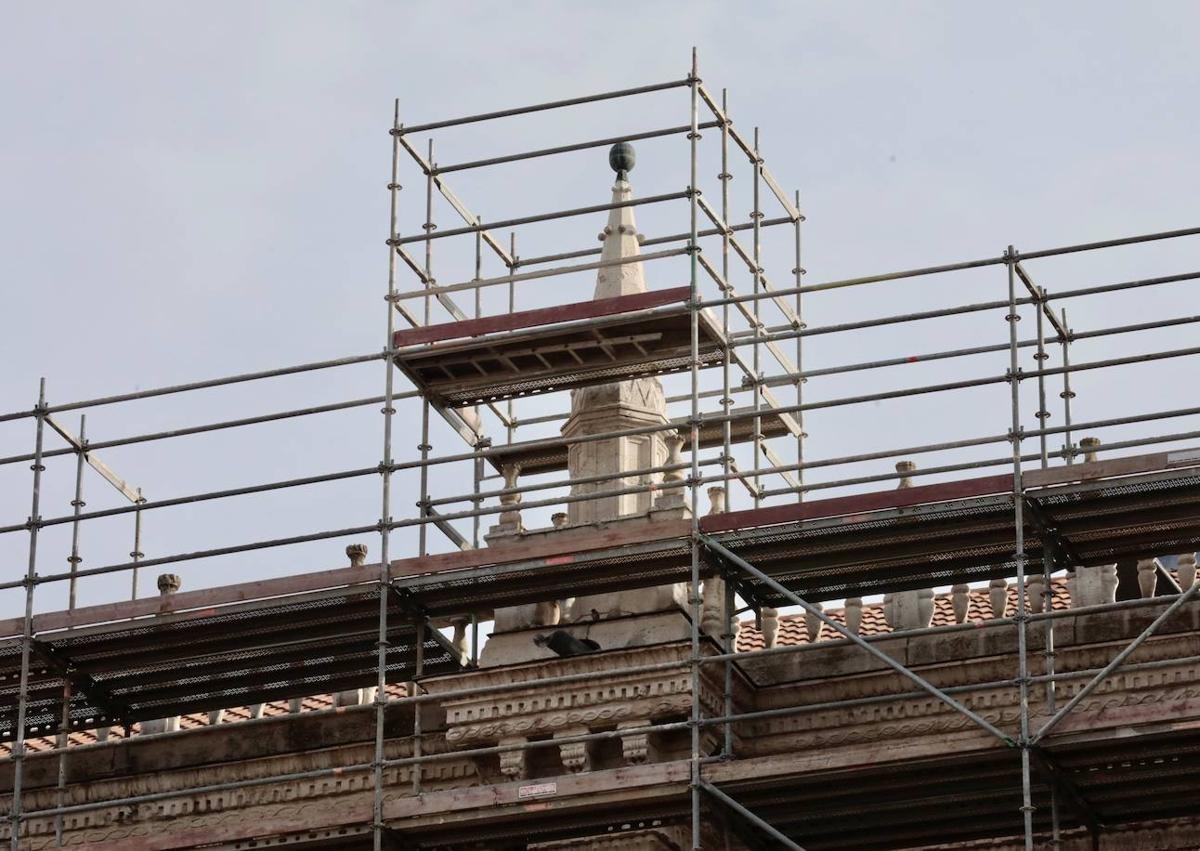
x=190, y=815
x=602, y=700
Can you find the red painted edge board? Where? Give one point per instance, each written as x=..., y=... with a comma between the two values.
x=539, y=316
x=554, y=549
x=857, y=503
x=200, y=599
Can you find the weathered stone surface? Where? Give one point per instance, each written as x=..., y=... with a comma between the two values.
x=601, y=409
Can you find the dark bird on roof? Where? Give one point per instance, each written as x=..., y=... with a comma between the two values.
x=565, y=644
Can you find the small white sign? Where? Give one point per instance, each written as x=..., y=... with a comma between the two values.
x=537, y=790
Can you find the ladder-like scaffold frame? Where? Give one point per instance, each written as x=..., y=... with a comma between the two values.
x=426, y=588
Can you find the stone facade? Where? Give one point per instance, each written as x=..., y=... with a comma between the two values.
x=643, y=750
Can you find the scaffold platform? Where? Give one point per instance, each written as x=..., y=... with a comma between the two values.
x=217, y=654
x=557, y=348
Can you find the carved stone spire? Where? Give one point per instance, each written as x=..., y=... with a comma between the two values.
x=620, y=235
x=619, y=405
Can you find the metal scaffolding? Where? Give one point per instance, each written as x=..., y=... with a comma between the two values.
x=378, y=624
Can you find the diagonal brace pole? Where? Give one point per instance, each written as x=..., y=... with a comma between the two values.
x=757, y=821
x=796, y=599
x=1117, y=661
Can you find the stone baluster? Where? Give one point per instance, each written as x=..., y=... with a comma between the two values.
x=905, y=469
x=770, y=626
x=998, y=596
x=216, y=716
x=295, y=705
x=1186, y=568
x=1147, y=574
x=1108, y=583
x=960, y=601
x=924, y=607
x=1090, y=446
x=713, y=594
x=459, y=639
x=813, y=624
x=854, y=607
x=672, y=496
x=510, y=518
x=1035, y=593
x=168, y=584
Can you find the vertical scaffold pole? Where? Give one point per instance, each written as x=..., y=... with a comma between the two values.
x=694, y=423
x=1067, y=393
x=728, y=585
x=726, y=390
x=18, y=746
x=477, y=471
x=798, y=272
x=418, y=671
x=1014, y=380
x=74, y=560
x=137, y=554
x=77, y=505
x=63, y=741
x=1042, y=414
x=510, y=408
x=757, y=215
x=385, y=470
x=1048, y=558
x=429, y=227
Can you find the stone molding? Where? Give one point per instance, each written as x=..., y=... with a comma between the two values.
x=191, y=811
x=605, y=701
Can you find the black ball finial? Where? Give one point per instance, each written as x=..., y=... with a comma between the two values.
x=622, y=159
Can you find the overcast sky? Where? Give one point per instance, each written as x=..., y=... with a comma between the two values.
x=194, y=190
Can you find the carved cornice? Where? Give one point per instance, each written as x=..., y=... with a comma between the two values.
x=190, y=811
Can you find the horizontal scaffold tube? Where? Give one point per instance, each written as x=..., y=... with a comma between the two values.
x=566, y=149
x=541, y=217
x=198, y=385
x=541, y=107
x=648, y=243
x=93, y=445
